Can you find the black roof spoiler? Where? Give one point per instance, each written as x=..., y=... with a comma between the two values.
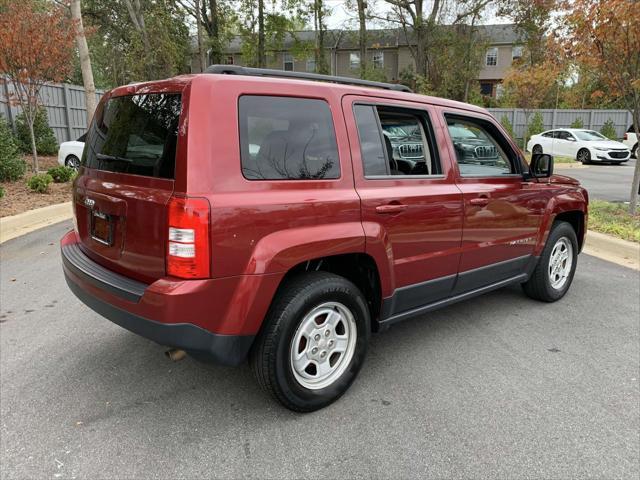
x=265, y=72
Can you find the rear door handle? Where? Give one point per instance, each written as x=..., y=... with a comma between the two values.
x=391, y=208
x=479, y=201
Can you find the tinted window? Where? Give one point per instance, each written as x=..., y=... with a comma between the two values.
x=82, y=138
x=371, y=143
x=285, y=138
x=135, y=134
x=396, y=141
x=481, y=151
x=548, y=134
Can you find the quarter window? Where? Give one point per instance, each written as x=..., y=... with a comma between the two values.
x=284, y=138
x=480, y=148
x=395, y=141
x=491, y=59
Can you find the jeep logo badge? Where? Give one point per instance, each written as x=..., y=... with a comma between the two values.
x=89, y=202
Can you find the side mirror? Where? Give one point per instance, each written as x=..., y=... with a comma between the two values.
x=541, y=165
x=571, y=139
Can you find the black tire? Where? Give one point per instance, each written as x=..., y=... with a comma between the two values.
x=634, y=151
x=270, y=356
x=583, y=156
x=536, y=149
x=72, y=161
x=539, y=285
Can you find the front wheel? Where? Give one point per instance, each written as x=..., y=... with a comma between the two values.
x=313, y=342
x=537, y=149
x=584, y=156
x=553, y=275
x=73, y=162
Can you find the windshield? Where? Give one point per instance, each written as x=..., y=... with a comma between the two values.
x=589, y=135
x=135, y=134
x=456, y=131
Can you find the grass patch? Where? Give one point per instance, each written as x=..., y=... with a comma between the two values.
x=614, y=219
x=556, y=159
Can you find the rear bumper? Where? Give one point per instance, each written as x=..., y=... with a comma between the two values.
x=159, y=311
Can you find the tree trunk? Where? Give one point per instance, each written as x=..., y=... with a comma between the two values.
x=215, y=31
x=201, y=52
x=262, y=61
x=33, y=143
x=85, y=62
x=362, y=11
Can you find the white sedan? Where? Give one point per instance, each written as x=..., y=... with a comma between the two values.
x=584, y=145
x=70, y=153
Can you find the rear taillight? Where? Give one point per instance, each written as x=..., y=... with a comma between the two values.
x=626, y=136
x=188, y=245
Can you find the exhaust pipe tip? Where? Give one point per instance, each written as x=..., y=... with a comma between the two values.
x=175, y=354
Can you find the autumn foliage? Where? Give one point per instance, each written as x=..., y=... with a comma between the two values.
x=36, y=46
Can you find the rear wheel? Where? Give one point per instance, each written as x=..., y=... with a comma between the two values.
x=313, y=342
x=537, y=149
x=634, y=151
x=584, y=156
x=73, y=162
x=553, y=275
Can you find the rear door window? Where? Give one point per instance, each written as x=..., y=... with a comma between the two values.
x=135, y=134
x=286, y=138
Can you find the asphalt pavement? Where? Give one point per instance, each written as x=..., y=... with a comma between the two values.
x=497, y=387
x=604, y=182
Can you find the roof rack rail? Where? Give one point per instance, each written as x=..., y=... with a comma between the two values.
x=266, y=72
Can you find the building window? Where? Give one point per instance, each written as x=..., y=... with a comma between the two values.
x=311, y=64
x=516, y=52
x=288, y=62
x=486, y=89
x=354, y=60
x=499, y=91
x=491, y=59
x=378, y=59
x=229, y=60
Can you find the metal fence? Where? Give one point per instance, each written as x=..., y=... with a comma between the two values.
x=65, y=106
x=592, y=119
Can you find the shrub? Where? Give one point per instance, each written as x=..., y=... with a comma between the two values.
x=40, y=183
x=61, y=174
x=12, y=167
x=1, y=191
x=507, y=125
x=536, y=125
x=577, y=123
x=609, y=130
x=46, y=143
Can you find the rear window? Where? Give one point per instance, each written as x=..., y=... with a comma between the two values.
x=283, y=138
x=135, y=134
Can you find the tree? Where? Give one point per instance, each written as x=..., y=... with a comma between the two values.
x=604, y=36
x=362, y=35
x=527, y=86
x=533, y=20
x=85, y=61
x=36, y=46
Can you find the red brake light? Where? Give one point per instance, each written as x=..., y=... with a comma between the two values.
x=188, y=240
x=626, y=136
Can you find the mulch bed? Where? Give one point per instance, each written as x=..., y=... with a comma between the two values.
x=19, y=198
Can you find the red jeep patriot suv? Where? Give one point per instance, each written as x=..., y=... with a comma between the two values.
x=236, y=215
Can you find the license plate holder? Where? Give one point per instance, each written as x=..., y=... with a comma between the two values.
x=102, y=228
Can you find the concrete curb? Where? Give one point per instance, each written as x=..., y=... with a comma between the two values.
x=613, y=249
x=26, y=222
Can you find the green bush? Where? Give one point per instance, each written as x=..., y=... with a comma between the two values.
x=507, y=125
x=40, y=183
x=609, y=130
x=61, y=174
x=536, y=125
x=12, y=167
x=577, y=123
x=1, y=191
x=46, y=143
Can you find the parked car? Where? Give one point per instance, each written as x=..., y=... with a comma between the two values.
x=585, y=146
x=70, y=153
x=631, y=141
x=290, y=235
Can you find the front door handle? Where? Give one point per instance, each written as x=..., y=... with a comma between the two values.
x=479, y=201
x=391, y=208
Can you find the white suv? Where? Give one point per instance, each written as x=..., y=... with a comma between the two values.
x=631, y=140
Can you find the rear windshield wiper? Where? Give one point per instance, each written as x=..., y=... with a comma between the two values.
x=112, y=158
